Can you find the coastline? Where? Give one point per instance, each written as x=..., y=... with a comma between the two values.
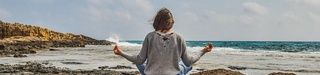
x=34, y=68
x=18, y=39
x=100, y=57
x=26, y=49
x=18, y=48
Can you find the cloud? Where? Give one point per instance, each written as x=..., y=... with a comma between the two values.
x=95, y=2
x=4, y=13
x=311, y=2
x=107, y=16
x=42, y=1
x=314, y=17
x=247, y=20
x=209, y=19
x=124, y=15
x=255, y=8
x=144, y=5
x=106, y=9
x=97, y=14
x=191, y=16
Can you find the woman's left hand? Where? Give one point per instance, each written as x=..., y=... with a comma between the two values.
x=207, y=48
x=116, y=50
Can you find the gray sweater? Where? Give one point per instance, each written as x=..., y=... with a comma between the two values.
x=163, y=53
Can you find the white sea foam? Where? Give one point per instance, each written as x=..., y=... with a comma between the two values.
x=116, y=39
x=129, y=44
x=225, y=50
x=113, y=38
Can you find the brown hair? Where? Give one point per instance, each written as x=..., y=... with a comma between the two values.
x=163, y=20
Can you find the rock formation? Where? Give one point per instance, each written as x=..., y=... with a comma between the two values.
x=17, y=38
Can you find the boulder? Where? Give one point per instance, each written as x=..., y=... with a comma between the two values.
x=2, y=47
x=72, y=63
x=218, y=72
x=281, y=73
x=51, y=49
x=121, y=67
x=237, y=68
x=19, y=55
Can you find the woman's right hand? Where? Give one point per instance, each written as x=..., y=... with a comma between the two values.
x=116, y=50
x=207, y=48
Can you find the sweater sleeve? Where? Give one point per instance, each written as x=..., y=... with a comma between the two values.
x=141, y=57
x=187, y=59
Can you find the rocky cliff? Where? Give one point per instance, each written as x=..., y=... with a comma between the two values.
x=8, y=30
x=17, y=38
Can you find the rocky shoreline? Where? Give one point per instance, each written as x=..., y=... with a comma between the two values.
x=18, y=48
x=34, y=68
x=17, y=39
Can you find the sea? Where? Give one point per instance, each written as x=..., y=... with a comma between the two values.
x=254, y=57
x=281, y=46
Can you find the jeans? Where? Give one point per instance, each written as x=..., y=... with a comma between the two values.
x=183, y=68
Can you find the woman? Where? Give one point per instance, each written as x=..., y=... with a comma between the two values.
x=163, y=49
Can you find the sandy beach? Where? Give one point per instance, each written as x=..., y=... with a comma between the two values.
x=249, y=63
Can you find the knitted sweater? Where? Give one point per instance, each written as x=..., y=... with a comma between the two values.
x=163, y=53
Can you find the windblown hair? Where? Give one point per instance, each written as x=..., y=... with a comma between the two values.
x=163, y=20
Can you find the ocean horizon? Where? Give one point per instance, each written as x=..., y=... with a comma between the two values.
x=282, y=46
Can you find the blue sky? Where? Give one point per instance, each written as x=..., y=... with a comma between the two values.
x=297, y=20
